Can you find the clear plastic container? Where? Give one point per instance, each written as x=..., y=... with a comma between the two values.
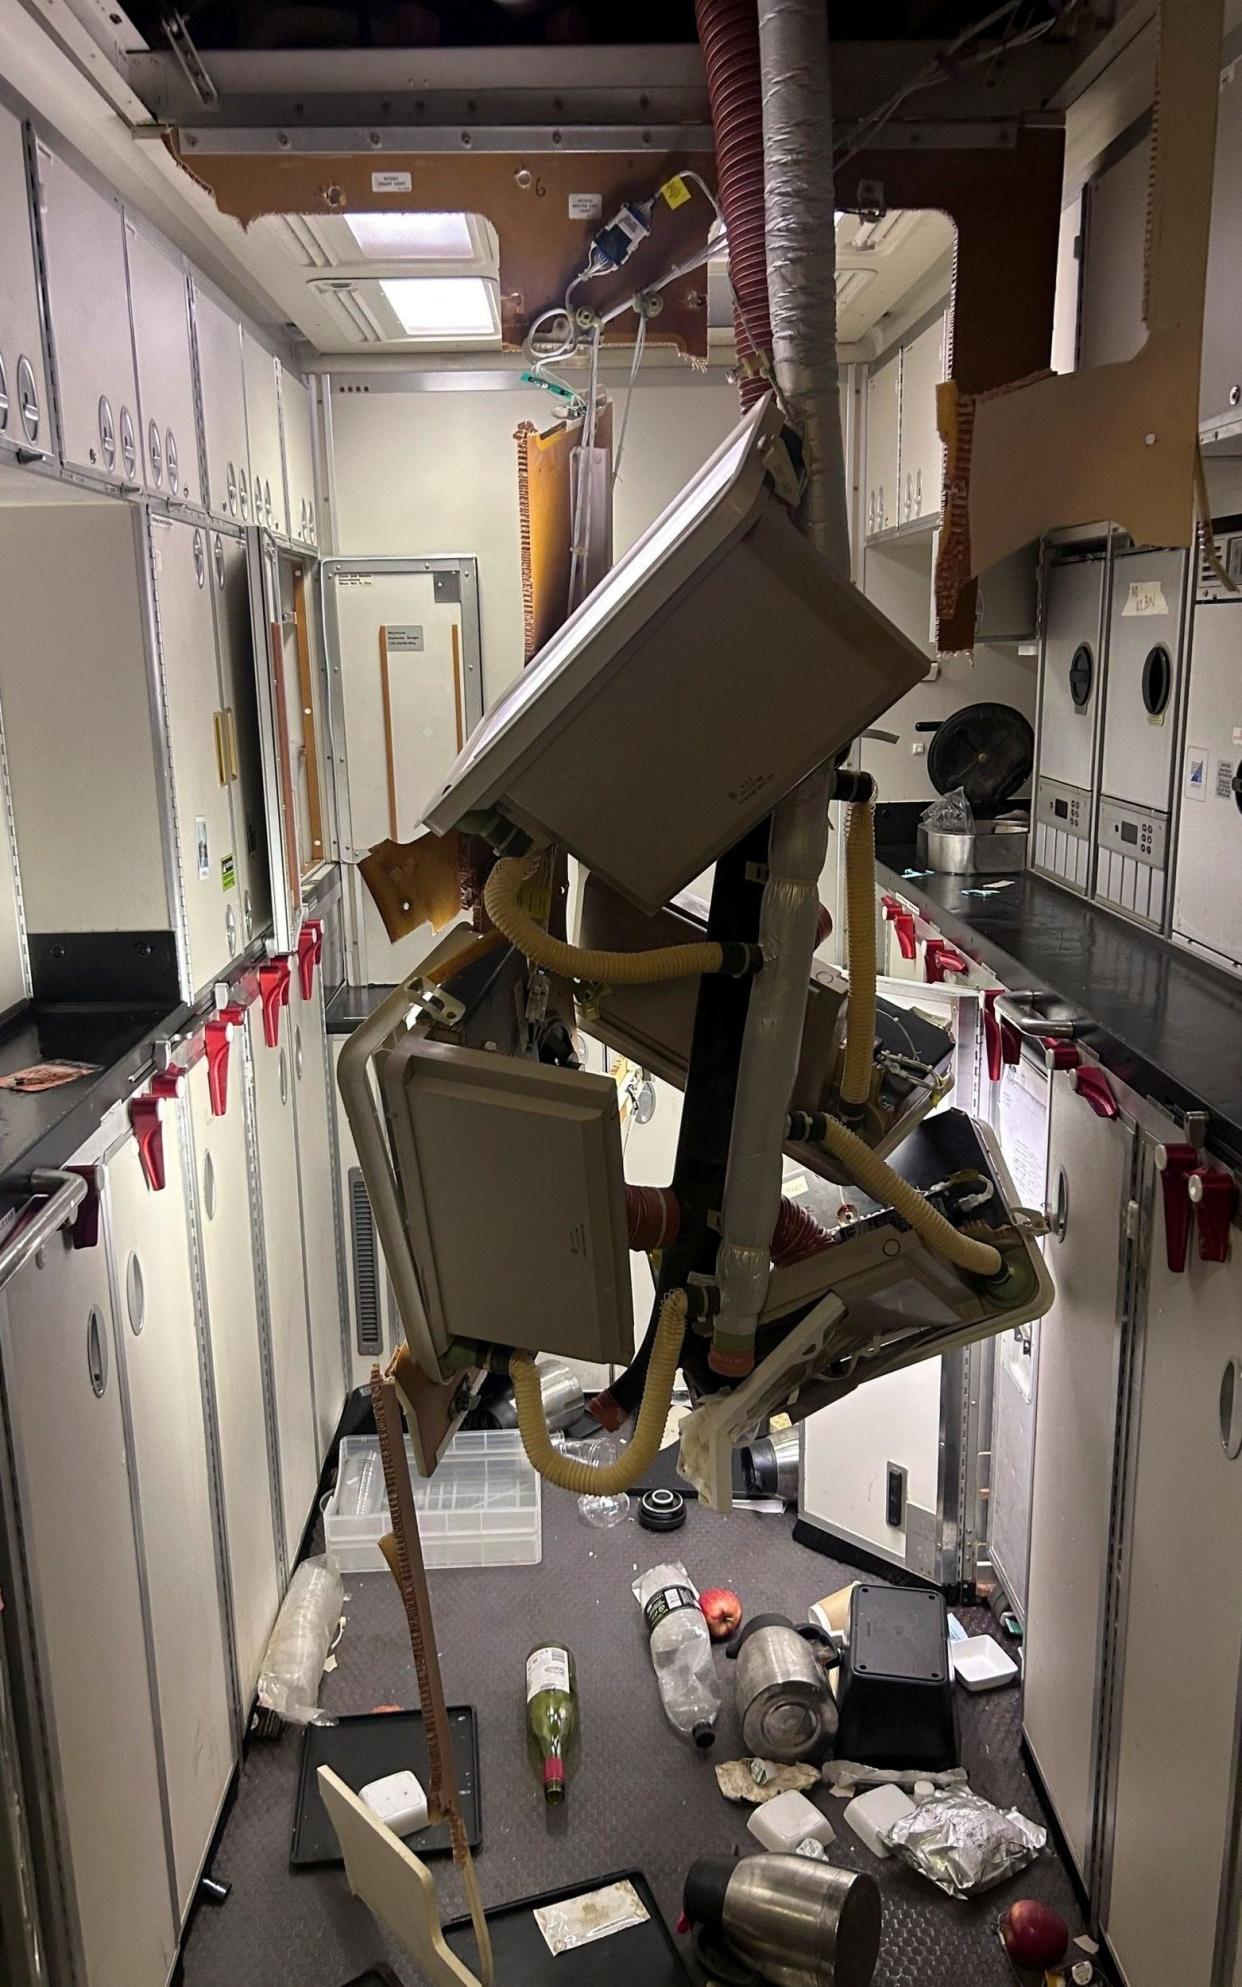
x=481, y=1508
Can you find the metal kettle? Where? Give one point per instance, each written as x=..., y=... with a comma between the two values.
x=784, y=1702
x=795, y=1922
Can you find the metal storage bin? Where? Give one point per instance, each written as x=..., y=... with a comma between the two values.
x=481, y=1508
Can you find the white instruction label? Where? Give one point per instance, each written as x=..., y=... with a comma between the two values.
x=1145, y=597
x=409, y=638
x=200, y=837
x=1224, y=779
x=546, y=1669
x=392, y=182
x=1195, y=783
x=586, y=206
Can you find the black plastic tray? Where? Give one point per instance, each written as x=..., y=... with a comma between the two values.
x=375, y=1976
x=366, y=1747
x=641, y=1952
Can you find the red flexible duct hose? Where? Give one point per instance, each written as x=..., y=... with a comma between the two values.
x=729, y=34
x=653, y=1217
x=797, y=1235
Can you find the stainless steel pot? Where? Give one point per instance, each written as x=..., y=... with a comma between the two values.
x=799, y=1923
x=784, y=1702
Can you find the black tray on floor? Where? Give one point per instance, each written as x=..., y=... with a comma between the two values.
x=366, y=1747
x=641, y=1952
x=375, y=1976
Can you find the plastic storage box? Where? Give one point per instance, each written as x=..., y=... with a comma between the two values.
x=481, y=1508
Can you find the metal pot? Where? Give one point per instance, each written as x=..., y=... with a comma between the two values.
x=786, y=1708
x=798, y=1923
x=770, y=1466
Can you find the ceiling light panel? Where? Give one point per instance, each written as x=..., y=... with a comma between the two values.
x=413, y=237
x=443, y=306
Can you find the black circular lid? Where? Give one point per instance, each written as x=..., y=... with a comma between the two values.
x=662, y=1510
x=1081, y=675
x=987, y=749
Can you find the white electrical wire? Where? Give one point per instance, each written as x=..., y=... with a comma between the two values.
x=639, y=343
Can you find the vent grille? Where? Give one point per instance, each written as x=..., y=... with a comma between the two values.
x=368, y=1329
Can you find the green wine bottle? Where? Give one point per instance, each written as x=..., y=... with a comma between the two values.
x=551, y=1714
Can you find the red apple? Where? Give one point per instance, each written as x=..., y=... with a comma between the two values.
x=722, y=1611
x=1034, y=1934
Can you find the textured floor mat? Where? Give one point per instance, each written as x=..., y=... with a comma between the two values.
x=640, y=1797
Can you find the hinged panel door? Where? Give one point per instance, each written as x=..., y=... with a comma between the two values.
x=273, y=636
x=199, y=746
x=25, y=415
x=1177, y=1736
x=64, y=1399
x=1079, y=1363
x=88, y=299
x=921, y=466
x=230, y=584
x=159, y=304
x=1207, y=912
x=267, y=466
x=157, y=1330
x=319, y=1207
x=296, y=419
x=883, y=413
x=237, y=1358
x=1220, y=379
x=217, y=337
x=1071, y=670
x=292, y=1384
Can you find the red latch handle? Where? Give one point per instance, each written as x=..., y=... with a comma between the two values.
x=273, y=994
x=1092, y=1083
x=1062, y=1054
x=217, y=1036
x=940, y=958
x=1176, y=1163
x=992, y=1036
x=310, y=952
x=902, y=922
x=1215, y=1196
x=144, y=1116
x=84, y=1233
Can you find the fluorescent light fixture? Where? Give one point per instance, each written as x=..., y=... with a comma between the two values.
x=442, y=306
x=413, y=237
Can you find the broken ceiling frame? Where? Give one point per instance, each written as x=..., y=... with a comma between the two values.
x=1116, y=442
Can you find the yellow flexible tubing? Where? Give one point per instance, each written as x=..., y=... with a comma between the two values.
x=671, y=962
x=860, y=912
x=879, y=1180
x=564, y=1471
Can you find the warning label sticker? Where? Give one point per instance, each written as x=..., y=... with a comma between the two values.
x=1195, y=783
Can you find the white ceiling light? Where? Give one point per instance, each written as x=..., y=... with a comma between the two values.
x=443, y=306
x=413, y=237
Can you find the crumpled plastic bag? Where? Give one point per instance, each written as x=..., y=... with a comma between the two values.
x=963, y=1844
x=949, y=814
x=299, y=1643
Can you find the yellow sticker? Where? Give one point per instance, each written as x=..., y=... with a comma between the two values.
x=675, y=191
x=535, y=897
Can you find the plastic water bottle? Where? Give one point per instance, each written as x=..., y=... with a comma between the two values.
x=681, y=1651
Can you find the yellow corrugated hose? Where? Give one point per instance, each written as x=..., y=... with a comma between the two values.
x=883, y=1184
x=567, y=1473
x=856, y=1077
x=571, y=962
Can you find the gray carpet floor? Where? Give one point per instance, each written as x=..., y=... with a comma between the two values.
x=641, y=1798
